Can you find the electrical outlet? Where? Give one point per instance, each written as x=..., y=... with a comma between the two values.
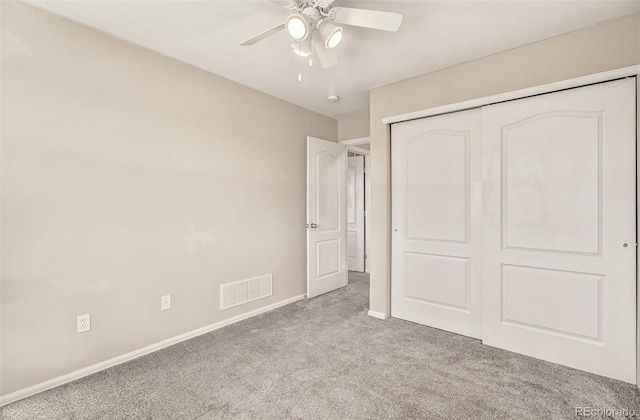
x=84, y=322
x=165, y=302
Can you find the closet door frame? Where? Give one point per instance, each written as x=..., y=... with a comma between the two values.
x=607, y=76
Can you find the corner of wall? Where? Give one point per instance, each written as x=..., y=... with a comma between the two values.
x=353, y=128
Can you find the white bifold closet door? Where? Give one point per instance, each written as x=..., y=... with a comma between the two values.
x=559, y=228
x=436, y=208
x=515, y=223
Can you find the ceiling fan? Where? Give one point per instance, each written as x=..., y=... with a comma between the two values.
x=313, y=25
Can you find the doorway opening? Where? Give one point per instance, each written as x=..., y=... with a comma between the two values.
x=358, y=158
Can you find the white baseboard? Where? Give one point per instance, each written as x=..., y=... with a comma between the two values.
x=72, y=376
x=378, y=315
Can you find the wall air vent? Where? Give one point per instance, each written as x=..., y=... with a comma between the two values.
x=243, y=291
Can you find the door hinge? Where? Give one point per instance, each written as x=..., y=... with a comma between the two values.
x=365, y=256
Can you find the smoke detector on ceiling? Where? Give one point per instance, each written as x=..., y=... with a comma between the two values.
x=333, y=98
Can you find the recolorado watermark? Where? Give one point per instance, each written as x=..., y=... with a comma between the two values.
x=604, y=412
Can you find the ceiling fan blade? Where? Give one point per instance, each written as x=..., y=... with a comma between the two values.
x=263, y=35
x=288, y=4
x=386, y=21
x=326, y=57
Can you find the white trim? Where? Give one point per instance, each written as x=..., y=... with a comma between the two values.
x=367, y=213
x=357, y=149
x=517, y=94
x=355, y=142
x=72, y=376
x=378, y=315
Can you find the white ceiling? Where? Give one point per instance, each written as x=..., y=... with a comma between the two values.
x=434, y=35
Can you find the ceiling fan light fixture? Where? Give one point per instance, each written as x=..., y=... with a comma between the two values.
x=297, y=26
x=330, y=33
x=335, y=38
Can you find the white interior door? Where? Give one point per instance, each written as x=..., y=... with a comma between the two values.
x=355, y=213
x=436, y=208
x=326, y=216
x=559, y=228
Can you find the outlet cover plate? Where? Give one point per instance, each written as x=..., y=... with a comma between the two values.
x=84, y=323
x=165, y=302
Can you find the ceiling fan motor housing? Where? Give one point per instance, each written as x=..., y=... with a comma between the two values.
x=302, y=4
x=312, y=13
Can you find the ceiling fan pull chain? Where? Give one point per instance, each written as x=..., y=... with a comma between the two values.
x=299, y=69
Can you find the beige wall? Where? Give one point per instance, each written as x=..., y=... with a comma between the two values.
x=127, y=175
x=353, y=128
x=610, y=45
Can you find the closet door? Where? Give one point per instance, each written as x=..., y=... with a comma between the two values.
x=559, y=228
x=436, y=208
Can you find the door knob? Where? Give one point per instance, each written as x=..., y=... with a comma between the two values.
x=313, y=226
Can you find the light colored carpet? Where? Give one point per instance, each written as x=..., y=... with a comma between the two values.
x=326, y=359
